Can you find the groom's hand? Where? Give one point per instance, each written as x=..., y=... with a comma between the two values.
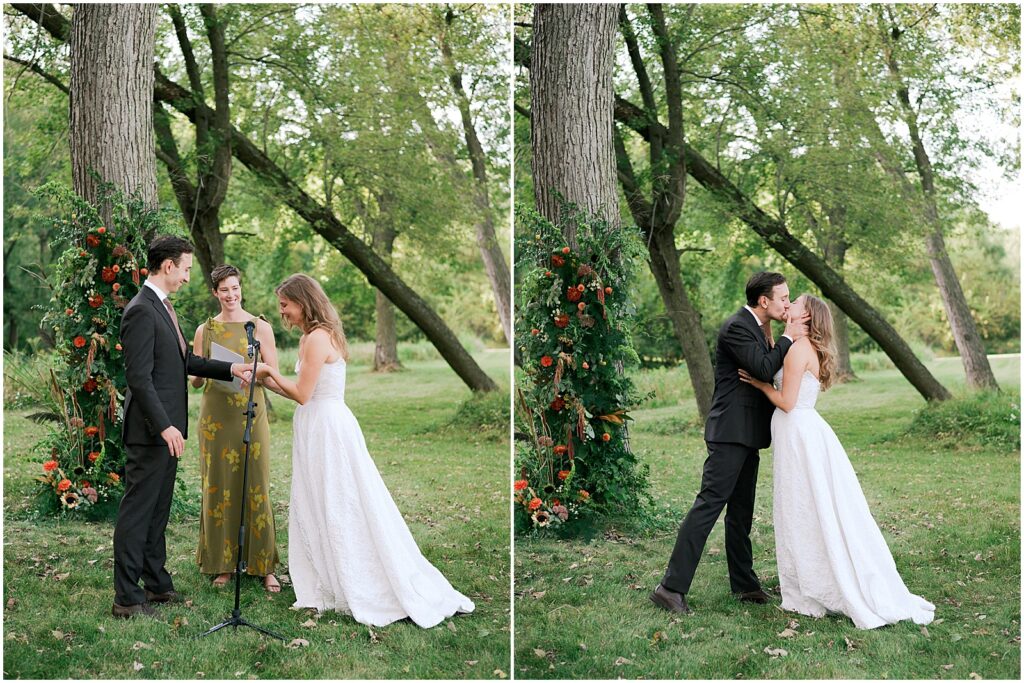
x=241, y=370
x=796, y=328
x=175, y=441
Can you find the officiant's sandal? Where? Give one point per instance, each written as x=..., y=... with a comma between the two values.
x=221, y=580
x=271, y=584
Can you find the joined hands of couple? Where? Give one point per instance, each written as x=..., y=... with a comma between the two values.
x=172, y=435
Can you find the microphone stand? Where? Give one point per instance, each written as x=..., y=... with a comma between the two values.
x=236, y=619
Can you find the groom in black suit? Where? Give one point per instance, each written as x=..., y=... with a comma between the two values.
x=157, y=363
x=738, y=425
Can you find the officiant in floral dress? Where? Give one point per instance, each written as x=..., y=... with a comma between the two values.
x=222, y=453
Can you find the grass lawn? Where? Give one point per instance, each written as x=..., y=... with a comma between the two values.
x=450, y=482
x=950, y=513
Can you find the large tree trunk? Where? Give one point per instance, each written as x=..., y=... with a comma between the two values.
x=571, y=95
x=111, y=86
x=486, y=239
x=965, y=332
x=833, y=250
x=385, y=352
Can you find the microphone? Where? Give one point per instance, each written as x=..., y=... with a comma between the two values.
x=253, y=344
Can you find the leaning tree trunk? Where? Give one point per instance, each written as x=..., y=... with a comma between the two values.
x=385, y=352
x=833, y=251
x=111, y=121
x=571, y=95
x=486, y=239
x=965, y=332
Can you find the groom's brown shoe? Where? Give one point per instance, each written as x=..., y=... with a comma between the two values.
x=759, y=597
x=129, y=611
x=169, y=596
x=670, y=600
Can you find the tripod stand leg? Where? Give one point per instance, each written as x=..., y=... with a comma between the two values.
x=223, y=624
x=243, y=622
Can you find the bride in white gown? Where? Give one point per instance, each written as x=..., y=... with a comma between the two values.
x=349, y=549
x=831, y=555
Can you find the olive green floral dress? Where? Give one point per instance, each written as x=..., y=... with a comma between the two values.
x=221, y=451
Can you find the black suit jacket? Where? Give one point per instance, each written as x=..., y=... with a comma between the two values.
x=157, y=372
x=739, y=412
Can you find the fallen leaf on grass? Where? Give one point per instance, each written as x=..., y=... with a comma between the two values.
x=786, y=633
x=374, y=638
x=297, y=643
x=947, y=667
x=179, y=622
x=540, y=653
x=658, y=636
x=924, y=632
x=499, y=673
x=11, y=602
x=973, y=676
x=851, y=645
x=200, y=674
x=472, y=662
x=308, y=623
x=538, y=595
x=714, y=551
x=138, y=666
x=451, y=626
x=61, y=577
x=139, y=645
x=775, y=652
x=621, y=661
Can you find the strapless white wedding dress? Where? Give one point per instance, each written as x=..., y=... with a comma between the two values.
x=831, y=554
x=349, y=549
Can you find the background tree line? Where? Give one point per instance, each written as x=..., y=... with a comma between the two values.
x=293, y=138
x=833, y=143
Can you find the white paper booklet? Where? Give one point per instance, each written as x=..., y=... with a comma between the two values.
x=218, y=352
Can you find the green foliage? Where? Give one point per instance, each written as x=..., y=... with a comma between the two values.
x=573, y=331
x=96, y=274
x=488, y=414
x=984, y=419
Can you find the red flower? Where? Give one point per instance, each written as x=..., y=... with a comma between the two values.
x=564, y=474
x=90, y=385
x=117, y=346
x=546, y=361
x=69, y=311
x=94, y=456
x=535, y=332
x=547, y=273
x=586, y=365
x=83, y=253
x=573, y=294
x=108, y=274
x=92, y=431
x=79, y=342
x=607, y=290
x=96, y=301
x=117, y=286
x=49, y=465
x=557, y=261
x=101, y=230
x=581, y=305
x=557, y=404
x=92, y=241
x=565, y=250
x=562, y=321
x=116, y=268
x=144, y=271
x=63, y=485
x=520, y=484
x=560, y=449
x=533, y=504
x=606, y=437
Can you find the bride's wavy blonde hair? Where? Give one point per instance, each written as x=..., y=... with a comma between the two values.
x=318, y=313
x=821, y=332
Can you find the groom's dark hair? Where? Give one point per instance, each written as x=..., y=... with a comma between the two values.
x=762, y=284
x=165, y=247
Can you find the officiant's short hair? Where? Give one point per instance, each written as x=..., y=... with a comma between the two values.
x=165, y=247
x=223, y=272
x=762, y=284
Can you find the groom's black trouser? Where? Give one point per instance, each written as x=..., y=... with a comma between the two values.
x=730, y=478
x=140, y=549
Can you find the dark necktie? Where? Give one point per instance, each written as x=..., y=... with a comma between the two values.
x=174, y=319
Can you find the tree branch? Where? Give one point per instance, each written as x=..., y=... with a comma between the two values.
x=36, y=69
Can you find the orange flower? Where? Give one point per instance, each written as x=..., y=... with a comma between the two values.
x=546, y=361
x=535, y=332
x=520, y=484
x=49, y=465
x=94, y=456
x=96, y=301
x=584, y=495
x=607, y=290
x=586, y=365
x=69, y=311
x=101, y=230
x=562, y=321
x=108, y=274
x=581, y=305
x=116, y=286
x=92, y=241
x=92, y=431
x=144, y=271
x=560, y=449
x=116, y=268
x=63, y=485
x=563, y=475
x=533, y=504
x=557, y=261
x=79, y=342
x=573, y=294
x=117, y=346
x=606, y=437
x=565, y=250
x=114, y=477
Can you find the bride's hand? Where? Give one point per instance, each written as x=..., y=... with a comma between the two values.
x=263, y=371
x=756, y=383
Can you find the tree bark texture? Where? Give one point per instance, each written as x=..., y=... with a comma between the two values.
x=385, y=351
x=833, y=250
x=111, y=100
x=572, y=59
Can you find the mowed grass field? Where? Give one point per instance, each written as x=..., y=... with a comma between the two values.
x=949, y=509
x=449, y=481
